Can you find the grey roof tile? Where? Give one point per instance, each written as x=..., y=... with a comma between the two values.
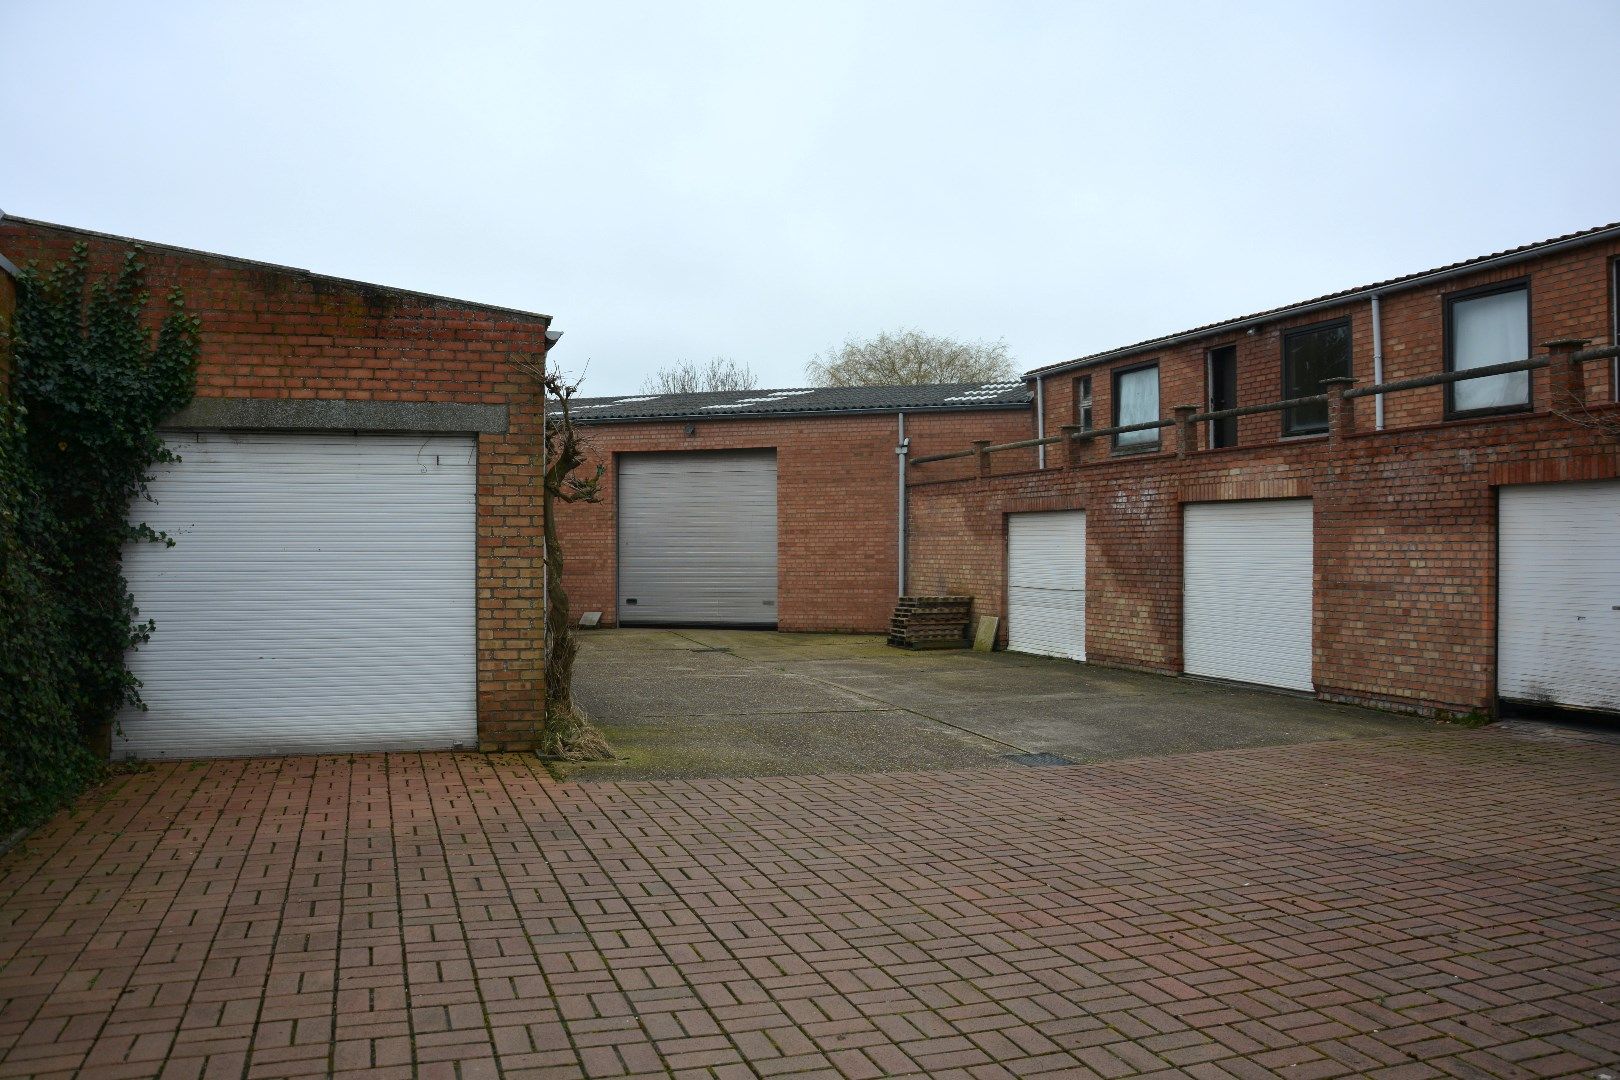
x=804, y=401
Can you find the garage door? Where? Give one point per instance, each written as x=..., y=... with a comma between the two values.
x=1246, y=600
x=1046, y=583
x=697, y=539
x=320, y=596
x=1558, y=573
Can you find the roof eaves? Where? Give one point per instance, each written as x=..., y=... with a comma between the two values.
x=773, y=414
x=1360, y=292
x=278, y=268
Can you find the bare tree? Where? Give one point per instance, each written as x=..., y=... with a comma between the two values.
x=690, y=377
x=564, y=731
x=909, y=357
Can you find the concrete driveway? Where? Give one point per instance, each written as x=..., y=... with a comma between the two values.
x=728, y=702
x=1437, y=904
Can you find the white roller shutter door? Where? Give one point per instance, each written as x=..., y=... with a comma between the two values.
x=1247, y=583
x=697, y=538
x=1558, y=582
x=1046, y=583
x=320, y=596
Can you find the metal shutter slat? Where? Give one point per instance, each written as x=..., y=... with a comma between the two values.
x=321, y=596
x=1558, y=636
x=697, y=538
x=1246, y=591
x=1046, y=583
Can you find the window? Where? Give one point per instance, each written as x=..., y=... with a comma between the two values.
x=1136, y=401
x=1082, y=402
x=1483, y=327
x=1223, y=395
x=1311, y=356
x=1614, y=327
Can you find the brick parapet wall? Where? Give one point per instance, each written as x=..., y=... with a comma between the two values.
x=837, y=503
x=279, y=333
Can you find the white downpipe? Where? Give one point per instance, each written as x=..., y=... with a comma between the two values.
x=1378, y=362
x=901, y=449
x=1040, y=421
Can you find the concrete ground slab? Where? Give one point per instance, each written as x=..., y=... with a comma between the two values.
x=677, y=703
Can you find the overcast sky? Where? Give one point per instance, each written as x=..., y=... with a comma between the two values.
x=760, y=180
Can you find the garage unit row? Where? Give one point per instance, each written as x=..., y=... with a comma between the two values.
x=1248, y=573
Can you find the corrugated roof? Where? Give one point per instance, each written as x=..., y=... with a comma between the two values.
x=803, y=401
x=1391, y=285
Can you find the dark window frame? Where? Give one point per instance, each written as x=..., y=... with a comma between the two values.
x=1212, y=439
x=1113, y=407
x=1282, y=369
x=1450, y=301
x=1614, y=326
x=1083, y=402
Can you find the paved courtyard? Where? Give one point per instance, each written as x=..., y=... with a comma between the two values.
x=1440, y=903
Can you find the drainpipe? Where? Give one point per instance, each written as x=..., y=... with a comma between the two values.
x=1378, y=362
x=1040, y=421
x=901, y=449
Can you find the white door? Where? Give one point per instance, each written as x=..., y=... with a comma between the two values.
x=697, y=538
x=1558, y=583
x=1046, y=583
x=320, y=596
x=1246, y=591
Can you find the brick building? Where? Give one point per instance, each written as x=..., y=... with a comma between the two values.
x=1435, y=548
x=357, y=564
x=764, y=508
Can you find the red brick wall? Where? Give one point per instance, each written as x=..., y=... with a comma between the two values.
x=1405, y=518
x=8, y=305
x=836, y=504
x=1569, y=295
x=280, y=333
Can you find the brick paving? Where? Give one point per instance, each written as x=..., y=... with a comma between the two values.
x=1439, y=904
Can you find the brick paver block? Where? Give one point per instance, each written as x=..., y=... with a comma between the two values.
x=1438, y=904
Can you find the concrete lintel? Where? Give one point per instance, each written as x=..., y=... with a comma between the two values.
x=281, y=414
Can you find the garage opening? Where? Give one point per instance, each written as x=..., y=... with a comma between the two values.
x=1558, y=589
x=1246, y=591
x=320, y=596
x=697, y=539
x=1046, y=583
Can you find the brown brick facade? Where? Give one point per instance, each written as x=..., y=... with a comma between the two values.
x=1405, y=518
x=837, y=503
x=277, y=333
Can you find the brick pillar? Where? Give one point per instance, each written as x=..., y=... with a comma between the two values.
x=1186, y=430
x=1341, y=410
x=1072, y=447
x=981, y=452
x=1566, y=384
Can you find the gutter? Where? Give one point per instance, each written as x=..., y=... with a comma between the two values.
x=1326, y=303
x=901, y=450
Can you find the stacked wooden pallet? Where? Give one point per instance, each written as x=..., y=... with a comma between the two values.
x=930, y=622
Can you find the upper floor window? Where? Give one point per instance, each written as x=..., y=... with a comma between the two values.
x=1082, y=402
x=1483, y=327
x=1136, y=401
x=1312, y=355
x=1614, y=326
x=1222, y=379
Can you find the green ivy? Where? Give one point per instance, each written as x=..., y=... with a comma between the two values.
x=90, y=384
